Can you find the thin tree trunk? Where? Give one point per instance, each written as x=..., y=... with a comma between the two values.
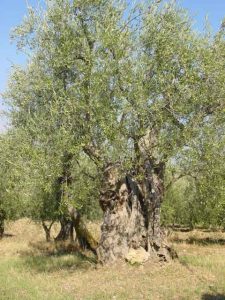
x=66, y=230
x=47, y=230
x=2, y=221
x=1, y=228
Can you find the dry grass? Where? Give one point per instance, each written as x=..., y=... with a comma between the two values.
x=33, y=269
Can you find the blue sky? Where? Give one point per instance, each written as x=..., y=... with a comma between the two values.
x=12, y=12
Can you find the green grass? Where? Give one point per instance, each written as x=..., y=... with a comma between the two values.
x=17, y=283
x=40, y=271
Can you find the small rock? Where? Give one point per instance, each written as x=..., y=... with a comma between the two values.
x=137, y=256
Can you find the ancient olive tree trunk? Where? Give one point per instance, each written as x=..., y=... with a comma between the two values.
x=132, y=214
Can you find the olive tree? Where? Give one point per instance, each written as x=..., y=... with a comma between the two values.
x=127, y=89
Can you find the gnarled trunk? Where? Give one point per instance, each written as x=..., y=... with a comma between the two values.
x=132, y=214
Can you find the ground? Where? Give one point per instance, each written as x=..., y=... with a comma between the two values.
x=32, y=269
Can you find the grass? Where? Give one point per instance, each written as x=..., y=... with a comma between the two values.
x=33, y=269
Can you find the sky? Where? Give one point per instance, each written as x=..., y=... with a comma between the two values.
x=13, y=11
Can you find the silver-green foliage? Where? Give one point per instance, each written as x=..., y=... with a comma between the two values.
x=100, y=76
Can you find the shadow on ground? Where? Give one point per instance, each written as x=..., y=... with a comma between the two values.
x=213, y=297
x=53, y=257
x=7, y=235
x=179, y=228
x=56, y=263
x=199, y=241
x=182, y=229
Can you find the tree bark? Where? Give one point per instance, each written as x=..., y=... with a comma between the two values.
x=47, y=230
x=83, y=235
x=131, y=209
x=1, y=228
x=66, y=231
x=2, y=221
x=74, y=221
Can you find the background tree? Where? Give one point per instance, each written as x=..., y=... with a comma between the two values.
x=14, y=173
